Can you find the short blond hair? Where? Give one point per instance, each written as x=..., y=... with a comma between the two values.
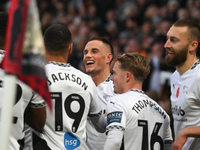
x=136, y=64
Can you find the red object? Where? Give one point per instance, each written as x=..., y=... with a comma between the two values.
x=14, y=36
x=24, y=64
x=177, y=92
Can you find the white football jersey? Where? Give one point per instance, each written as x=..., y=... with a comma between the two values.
x=24, y=96
x=185, y=103
x=1, y=55
x=96, y=140
x=144, y=123
x=74, y=97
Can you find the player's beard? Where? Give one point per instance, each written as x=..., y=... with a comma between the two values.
x=179, y=57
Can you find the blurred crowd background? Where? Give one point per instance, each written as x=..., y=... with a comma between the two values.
x=130, y=25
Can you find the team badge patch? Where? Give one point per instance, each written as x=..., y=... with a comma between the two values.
x=185, y=89
x=114, y=117
x=70, y=141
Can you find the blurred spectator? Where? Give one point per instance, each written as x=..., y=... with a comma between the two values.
x=76, y=58
x=162, y=27
x=156, y=58
x=157, y=61
x=152, y=13
x=172, y=8
x=132, y=27
x=146, y=30
x=183, y=13
x=134, y=46
x=47, y=19
x=111, y=24
x=196, y=14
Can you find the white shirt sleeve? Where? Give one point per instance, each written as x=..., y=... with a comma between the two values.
x=99, y=121
x=114, y=140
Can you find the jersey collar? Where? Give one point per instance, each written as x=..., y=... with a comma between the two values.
x=195, y=64
x=135, y=90
x=59, y=64
x=108, y=79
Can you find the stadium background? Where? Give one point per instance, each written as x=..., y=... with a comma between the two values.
x=130, y=25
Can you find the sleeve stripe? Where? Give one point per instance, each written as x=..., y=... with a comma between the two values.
x=37, y=105
x=95, y=115
x=109, y=128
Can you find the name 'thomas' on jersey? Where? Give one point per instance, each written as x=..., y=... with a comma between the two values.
x=144, y=123
x=74, y=97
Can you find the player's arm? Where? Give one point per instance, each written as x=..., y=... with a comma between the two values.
x=95, y=114
x=183, y=135
x=114, y=139
x=35, y=114
x=116, y=122
x=168, y=140
x=99, y=121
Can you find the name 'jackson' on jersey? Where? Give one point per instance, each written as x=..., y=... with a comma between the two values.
x=66, y=76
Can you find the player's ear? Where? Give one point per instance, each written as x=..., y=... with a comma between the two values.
x=193, y=46
x=70, y=48
x=109, y=58
x=128, y=76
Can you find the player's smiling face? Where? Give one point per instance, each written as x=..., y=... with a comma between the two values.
x=176, y=46
x=95, y=56
x=118, y=78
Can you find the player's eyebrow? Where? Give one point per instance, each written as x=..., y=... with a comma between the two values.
x=172, y=37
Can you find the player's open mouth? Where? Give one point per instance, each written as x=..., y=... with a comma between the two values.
x=169, y=53
x=89, y=62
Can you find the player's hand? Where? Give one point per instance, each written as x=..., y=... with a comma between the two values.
x=180, y=141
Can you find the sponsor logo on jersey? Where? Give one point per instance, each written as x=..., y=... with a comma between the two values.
x=114, y=117
x=70, y=141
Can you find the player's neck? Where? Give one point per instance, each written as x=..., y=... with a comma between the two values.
x=100, y=77
x=61, y=59
x=132, y=84
x=186, y=65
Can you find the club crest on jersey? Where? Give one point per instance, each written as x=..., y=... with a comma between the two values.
x=177, y=92
x=70, y=141
x=114, y=117
x=185, y=89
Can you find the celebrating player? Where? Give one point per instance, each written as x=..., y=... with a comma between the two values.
x=98, y=54
x=183, y=39
x=29, y=107
x=74, y=95
x=134, y=121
